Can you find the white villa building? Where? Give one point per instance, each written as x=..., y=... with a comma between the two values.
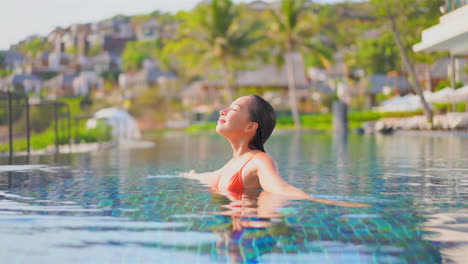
x=451, y=35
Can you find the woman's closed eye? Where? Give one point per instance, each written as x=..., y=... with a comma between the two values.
x=234, y=107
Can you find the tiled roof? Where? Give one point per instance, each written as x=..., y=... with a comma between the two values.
x=60, y=80
x=20, y=78
x=377, y=82
x=321, y=87
x=12, y=57
x=271, y=75
x=105, y=57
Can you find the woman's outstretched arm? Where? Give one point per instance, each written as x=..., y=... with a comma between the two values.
x=271, y=181
x=208, y=178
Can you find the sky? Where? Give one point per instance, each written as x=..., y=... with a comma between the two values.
x=22, y=18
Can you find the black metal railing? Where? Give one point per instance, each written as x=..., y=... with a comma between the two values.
x=16, y=123
x=10, y=115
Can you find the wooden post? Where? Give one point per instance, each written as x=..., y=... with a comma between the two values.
x=340, y=117
x=56, y=126
x=453, y=83
x=69, y=134
x=28, y=126
x=10, y=127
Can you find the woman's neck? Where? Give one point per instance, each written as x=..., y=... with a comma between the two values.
x=239, y=148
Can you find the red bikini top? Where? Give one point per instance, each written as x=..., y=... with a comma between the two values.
x=235, y=183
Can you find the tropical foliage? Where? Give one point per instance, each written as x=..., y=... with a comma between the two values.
x=393, y=12
x=35, y=46
x=218, y=38
x=43, y=127
x=378, y=55
x=213, y=36
x=318, y=122
x=290, y=31
x=136, y=52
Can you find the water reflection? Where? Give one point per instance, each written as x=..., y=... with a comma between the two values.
x=257, y=227
x=249, y=223
x=294, y=150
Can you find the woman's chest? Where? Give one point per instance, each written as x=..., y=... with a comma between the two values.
x=229, y=174
x=235, y=177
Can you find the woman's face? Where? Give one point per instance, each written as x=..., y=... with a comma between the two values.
x=235, y=118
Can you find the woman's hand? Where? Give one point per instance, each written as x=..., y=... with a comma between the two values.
x=338, y=203
x=208, y=178
x=189, y=174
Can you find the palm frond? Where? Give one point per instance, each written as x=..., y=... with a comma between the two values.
x=323, y=53
x=279, y=21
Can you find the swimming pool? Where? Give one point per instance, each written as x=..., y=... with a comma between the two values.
x=129, y=205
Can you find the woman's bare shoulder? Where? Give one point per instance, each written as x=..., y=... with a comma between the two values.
x=262, y=158
x=263, y=155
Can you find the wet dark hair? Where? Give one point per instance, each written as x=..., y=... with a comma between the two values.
x=263, y=113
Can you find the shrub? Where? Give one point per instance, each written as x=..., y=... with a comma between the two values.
x=201, y=127
x=446, y=83
x=322, y=122
x=102, y=132
x=460, y=107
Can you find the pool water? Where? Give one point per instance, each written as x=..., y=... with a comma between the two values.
x=130, y=205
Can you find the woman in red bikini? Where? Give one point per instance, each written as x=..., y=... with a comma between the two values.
x=247, y=124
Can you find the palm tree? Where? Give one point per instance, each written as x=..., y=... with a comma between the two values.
x=389, y=10
x=290, y=30
x=214, y=34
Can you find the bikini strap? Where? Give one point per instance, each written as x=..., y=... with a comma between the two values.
x=240, y=170
x=248, y=161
